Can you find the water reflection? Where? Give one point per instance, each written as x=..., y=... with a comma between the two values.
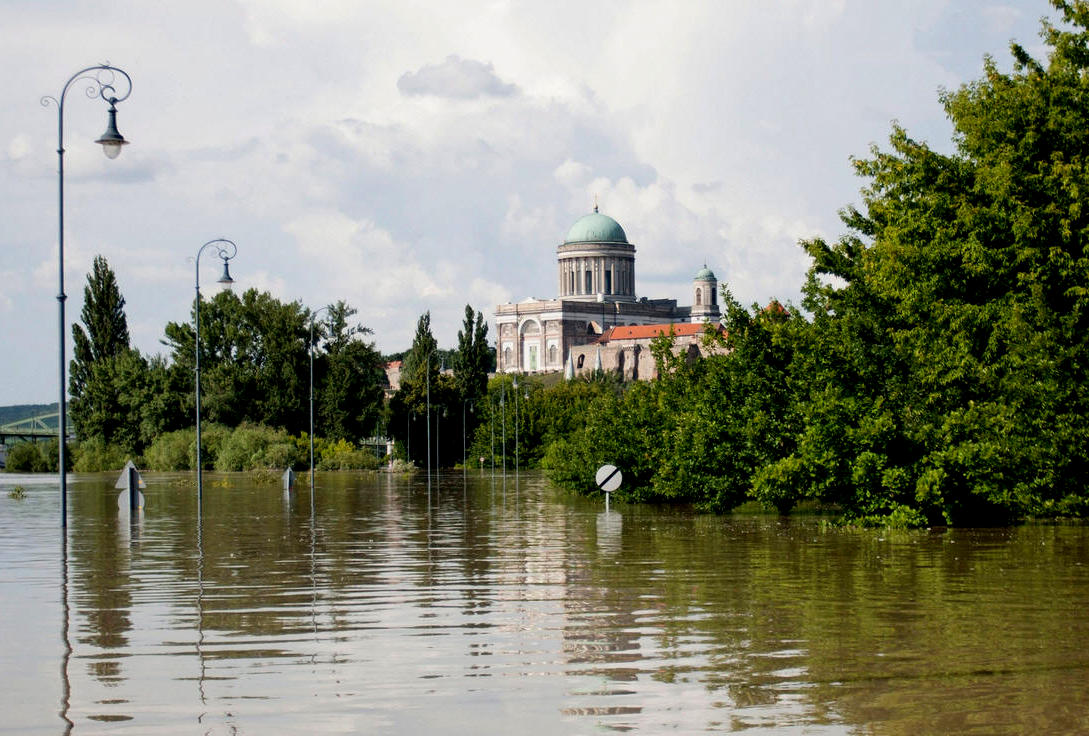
x=373, y=605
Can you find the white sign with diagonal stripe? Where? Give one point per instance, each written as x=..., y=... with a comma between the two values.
x=608, y=478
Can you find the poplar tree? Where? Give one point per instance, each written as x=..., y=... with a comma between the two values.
x=105, y=373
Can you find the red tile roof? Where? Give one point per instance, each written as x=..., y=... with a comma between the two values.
x=645, y=332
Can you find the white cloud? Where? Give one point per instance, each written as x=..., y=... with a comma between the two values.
x=414, y=155
x=455, y=78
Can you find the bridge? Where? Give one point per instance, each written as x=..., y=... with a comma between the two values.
x=31, y=429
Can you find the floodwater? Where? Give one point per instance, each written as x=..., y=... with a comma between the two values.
x=474, y=609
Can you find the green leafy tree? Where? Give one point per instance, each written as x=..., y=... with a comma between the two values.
x=948, y=355
x=408, y=407
x=472, y=361
x=107, y=378
x=349, y=378
x=254, y=359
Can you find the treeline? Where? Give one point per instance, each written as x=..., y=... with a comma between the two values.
x=938, y=369
x=255, y=354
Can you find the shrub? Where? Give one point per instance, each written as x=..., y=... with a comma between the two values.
x=343, y=455
x=27, y=457
x=250, y=447
x=95, y=455
x=172, y=451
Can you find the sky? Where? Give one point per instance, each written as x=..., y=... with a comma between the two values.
x=407, y=155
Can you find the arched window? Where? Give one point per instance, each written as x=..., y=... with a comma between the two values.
x=506, y=358
x=714, y=297
x=620, y=363
x=552, y=355
x=579, y=363
x=699, y=297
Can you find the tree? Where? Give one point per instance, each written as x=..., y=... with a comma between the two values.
x=408, y=407
x=473, y=358
x=948, y=362
x=349, y=379
x=254, y=359
x=106, y=376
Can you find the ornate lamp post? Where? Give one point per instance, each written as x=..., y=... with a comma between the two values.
x=101, y=80
x=312, y=317
x=226, y=250
x=515, y=431
x=438, y=461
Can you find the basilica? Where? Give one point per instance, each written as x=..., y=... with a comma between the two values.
x=597, y=322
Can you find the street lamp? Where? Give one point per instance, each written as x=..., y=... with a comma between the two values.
x=438, y=460
x=427, y=373
x=503, y=413
x=516, y=431
x=312, y=316
x=101, y=79
x=226, y=250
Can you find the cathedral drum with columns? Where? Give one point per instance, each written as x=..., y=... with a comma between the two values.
x=596, y=294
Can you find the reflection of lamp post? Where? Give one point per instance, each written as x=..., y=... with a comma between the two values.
x=312, y=316
x=226, y=250
x=101, y=85
x=464, y=439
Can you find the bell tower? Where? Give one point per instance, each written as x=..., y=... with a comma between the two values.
x=705, y=296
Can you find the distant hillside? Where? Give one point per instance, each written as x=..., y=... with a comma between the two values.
x=9, y=414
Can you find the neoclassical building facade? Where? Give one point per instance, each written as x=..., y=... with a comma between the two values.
x=596, y=287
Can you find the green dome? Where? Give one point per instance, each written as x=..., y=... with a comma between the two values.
x=596, y=228
x=705, y=274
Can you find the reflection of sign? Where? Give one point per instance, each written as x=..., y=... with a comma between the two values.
x=608, y=478
x=610, y=530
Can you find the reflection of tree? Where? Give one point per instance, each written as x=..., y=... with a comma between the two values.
x=752, y=618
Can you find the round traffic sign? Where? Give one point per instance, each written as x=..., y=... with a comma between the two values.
x=608, y=478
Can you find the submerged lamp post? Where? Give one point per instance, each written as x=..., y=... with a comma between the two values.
x=226, y=250
x=427, y=373
x=515, y=431
x=101, y=80
x=312, y=317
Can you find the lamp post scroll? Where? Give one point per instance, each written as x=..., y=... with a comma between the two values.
x=102, y=82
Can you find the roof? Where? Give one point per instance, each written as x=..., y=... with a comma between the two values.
x=596, y=228
x=646, y=332
x=705, y=274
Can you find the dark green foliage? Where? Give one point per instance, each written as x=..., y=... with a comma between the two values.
x=95, y=456
x=349, y=379
x=943, y=377
x=27, y=457
x=104, y=366
x=35, y=457
x=409, y=418
x=250, y=447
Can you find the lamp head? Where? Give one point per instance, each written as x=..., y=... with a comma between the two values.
x=112, y=140
x=225, y=280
